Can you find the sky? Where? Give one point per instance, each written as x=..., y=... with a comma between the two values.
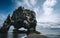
x=46, y=10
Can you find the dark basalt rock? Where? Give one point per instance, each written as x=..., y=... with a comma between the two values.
x=6, y=25
x=21, y=17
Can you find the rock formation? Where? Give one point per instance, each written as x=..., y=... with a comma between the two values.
x=21, y=17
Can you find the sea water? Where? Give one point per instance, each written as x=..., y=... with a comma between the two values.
x=48, y=32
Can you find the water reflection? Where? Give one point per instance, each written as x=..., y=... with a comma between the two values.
x=12, y=35
x=20, y=35
x=3, y=35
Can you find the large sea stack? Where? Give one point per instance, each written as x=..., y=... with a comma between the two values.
x=21, y=17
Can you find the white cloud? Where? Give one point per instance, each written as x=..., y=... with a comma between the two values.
x=2, y=19
x=47, y=11
x=48, y=6
x=37, y=10
x=28, y=3
x=33, y=2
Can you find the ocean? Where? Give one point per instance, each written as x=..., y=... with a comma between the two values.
x=48, y=32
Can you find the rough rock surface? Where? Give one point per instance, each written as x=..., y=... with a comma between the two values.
x=21, y=17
